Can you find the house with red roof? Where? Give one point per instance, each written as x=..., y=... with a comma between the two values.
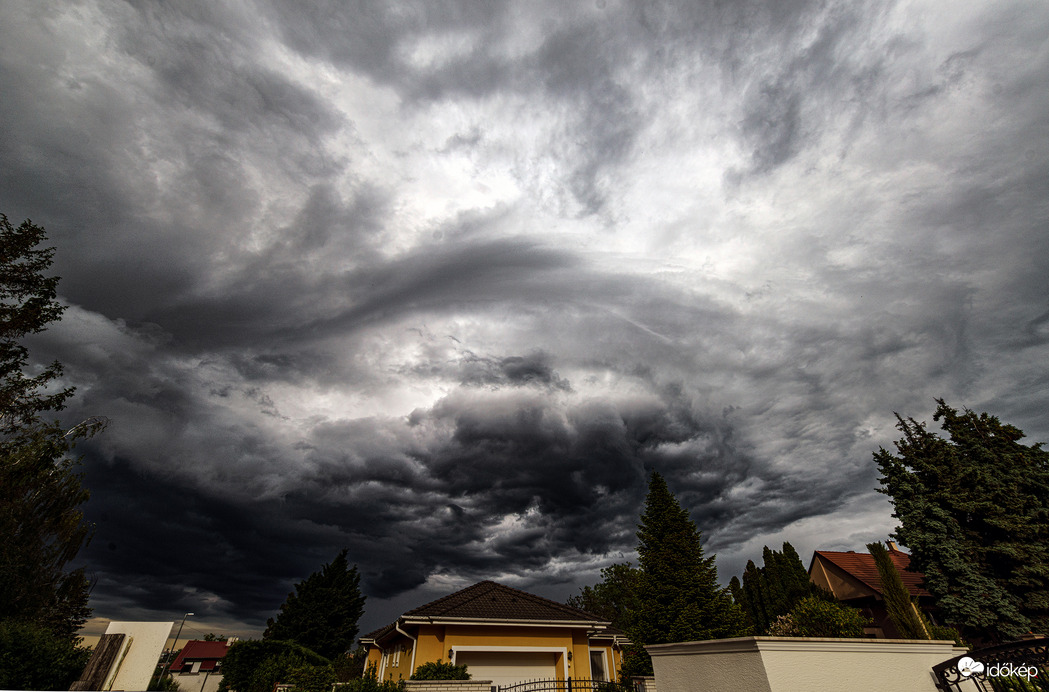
x=502, y=634
x=853, y=579
x=198, y=666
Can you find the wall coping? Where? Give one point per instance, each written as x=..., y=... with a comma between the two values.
x=812, y=644
x=450, y=683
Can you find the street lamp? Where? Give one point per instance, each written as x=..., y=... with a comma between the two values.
x=179, y=632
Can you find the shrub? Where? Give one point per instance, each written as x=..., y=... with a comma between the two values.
x=369, y=683
x=34, y=658
x=816, y=617
x=439, y=670
x=312, y=679
x=256, y=666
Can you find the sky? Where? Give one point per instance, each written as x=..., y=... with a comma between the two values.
x=442, y=283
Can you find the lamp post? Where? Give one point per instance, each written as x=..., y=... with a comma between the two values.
x=177, y=634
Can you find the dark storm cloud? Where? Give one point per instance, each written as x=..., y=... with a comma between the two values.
x=442, y=283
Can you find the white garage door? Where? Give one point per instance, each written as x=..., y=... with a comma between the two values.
x=508, y=667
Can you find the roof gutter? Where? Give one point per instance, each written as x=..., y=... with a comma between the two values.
x=436, y=619
x=415, y=641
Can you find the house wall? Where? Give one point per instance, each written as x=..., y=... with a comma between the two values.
x=198, y=682
x=135, y=665
x=433, y=643
x=787, y=664
x=837, y=581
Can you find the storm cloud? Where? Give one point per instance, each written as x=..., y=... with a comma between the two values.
x=442, y=283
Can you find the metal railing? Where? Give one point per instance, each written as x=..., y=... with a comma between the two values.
x=1021, y=666
x=567, y=685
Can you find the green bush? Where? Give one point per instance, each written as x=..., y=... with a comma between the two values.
x=312, y=679
x=816, y=617
x=439, y=670
x=34, y=658
x=369, y=683
x=944, y=632
x=257, y=665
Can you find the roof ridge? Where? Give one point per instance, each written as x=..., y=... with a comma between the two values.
x=460, y=592
x=546, y=601
x=481, y=589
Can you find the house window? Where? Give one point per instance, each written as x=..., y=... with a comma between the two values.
x=597, y=665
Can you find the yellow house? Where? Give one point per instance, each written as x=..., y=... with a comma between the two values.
x=501, y=634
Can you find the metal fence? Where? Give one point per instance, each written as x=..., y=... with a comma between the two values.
x=1021, y=666
x=567, y=685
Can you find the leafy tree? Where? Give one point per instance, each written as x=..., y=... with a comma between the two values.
x=33, y=657
x=614, y=598
x=678, y=596
x=256, y=666
x=28, y=303
x=439, y=670
x=974, y=510
x=775, y=588
x=41, y=522
x=323, y=612
x=817, y=617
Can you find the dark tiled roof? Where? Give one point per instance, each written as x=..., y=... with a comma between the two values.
x=487, y=600
x=197, y=650
x=861, y=566
x=379, y=632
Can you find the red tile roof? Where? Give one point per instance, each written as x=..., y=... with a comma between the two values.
x=197, y=650
x=861, y=566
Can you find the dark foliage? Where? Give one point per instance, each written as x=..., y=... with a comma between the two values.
x=614, y=598
x=440, y=670
x=33, y=657
x=323, y=612
x=974, y=511
x=256, y=666
x=678, y=597
x=41, y=524
x=773, y=589
x=817, y=617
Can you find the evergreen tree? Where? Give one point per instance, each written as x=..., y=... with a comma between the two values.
x=678, y=596
x=774, y=589
x=973, y=510
x=323, y=612
x=898, y=601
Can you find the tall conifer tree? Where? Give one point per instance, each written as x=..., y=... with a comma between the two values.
x=323, y=612
x=679, y=598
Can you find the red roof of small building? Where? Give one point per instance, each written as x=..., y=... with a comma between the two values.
x=861, y=567
x=197, y=650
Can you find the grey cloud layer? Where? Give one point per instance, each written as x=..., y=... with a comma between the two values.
x=442, y=282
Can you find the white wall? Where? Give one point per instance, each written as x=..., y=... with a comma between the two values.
x=198, y=682
x=144, y=641
x=788, y=664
